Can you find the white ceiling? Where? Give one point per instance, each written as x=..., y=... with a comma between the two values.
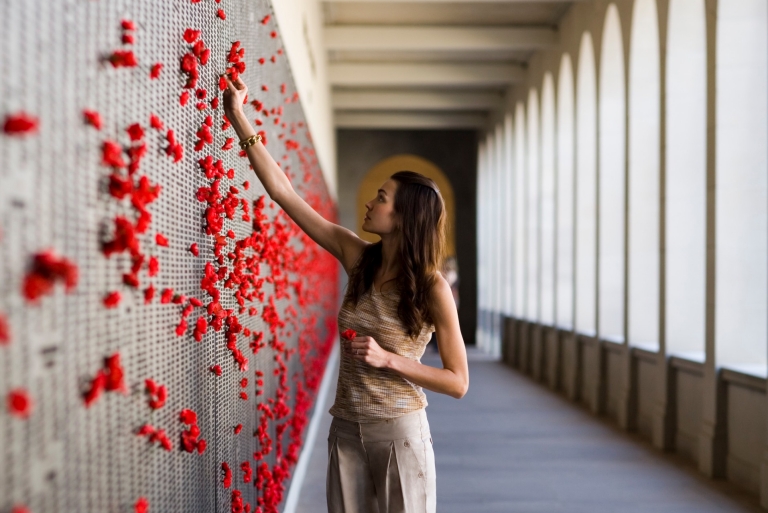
x=430, y=63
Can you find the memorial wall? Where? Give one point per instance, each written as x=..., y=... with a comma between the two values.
x=164, y=326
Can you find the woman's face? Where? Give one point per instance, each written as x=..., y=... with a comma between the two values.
x=380, y=217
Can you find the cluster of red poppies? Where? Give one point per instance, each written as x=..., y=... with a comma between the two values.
x=275, y=252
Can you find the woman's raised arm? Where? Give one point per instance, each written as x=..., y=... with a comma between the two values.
x=337, y=240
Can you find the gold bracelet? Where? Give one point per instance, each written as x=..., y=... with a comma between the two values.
x=250, y=141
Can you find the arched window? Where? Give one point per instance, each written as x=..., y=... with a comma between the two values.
x=565, y=212
x=548, y=201
x=533, y=235
x=644, y=146
x=586, y=188
x=741, y=190
x=685, y=187
x=520, y=212
x=611, y=195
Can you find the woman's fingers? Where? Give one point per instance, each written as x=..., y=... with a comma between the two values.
x=240, y=84
x=230, y=86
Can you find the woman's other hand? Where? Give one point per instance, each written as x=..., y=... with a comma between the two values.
x=367, y=350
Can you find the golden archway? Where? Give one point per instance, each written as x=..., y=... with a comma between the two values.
x=381, y=172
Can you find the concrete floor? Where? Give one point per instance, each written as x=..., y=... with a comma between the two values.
x=512, y=446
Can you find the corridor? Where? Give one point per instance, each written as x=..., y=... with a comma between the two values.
x=512, y=446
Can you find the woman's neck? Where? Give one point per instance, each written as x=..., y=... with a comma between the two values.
x=390, y=257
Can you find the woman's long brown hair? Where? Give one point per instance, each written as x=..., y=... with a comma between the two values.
x=422, y=243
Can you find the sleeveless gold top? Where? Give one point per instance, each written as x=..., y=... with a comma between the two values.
x=368, y=394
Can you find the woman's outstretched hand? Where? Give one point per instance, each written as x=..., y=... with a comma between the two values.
x=367, y=350
x=234, y=96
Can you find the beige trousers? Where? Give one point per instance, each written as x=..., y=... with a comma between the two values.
x=381, y=467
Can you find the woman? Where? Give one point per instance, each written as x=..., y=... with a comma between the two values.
x=379, y=445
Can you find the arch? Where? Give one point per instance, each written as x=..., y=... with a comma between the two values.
x=586, y=189
x=521, y=282
x=565, y=192
x=548, y=201
x=643, y=187
x=741, y=192
x=533, y=227
x=612, y=170
x=685, y=189
x=381, y=172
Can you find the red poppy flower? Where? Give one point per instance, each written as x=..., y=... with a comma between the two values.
x=193, y=249
x=154, y=71
x=204, y=56
x=153, y=266
x=161, y=240
x=19, y=403
x=244, y=396
x=155, y=122
x=349, y=334
x=238, y=428
x=181, y=328
x=128, y=39
x=149, y=294
x=273, y=34
x=47, y=269
x=24, y=509
x=112, y=299
x=128, y=25
x=112, y=154
x=114, y=374
x=214, y=103
x=191, y=35
x=5, y=331
x=141, y=506
x=228, y=144
x=262, y=60
x=131, y=279
x=265, y=19
x=222, y=83
x=227, y=481
x=20, y=123
x=96, y=388
x=195, y=302
x=184, y=98
x=166, y=296
x=123, y=59
x=216, y=369
x=221, y=14
x=135, y=132
x=92, y=118
x=247, y=471
x=158, y=394
x=264, y=87
x=188, y=417
x=201, y=445
x=273, y=59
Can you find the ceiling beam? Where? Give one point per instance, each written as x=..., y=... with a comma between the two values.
x=424, y=75
x=373, y=100
x=428, y=38
x=402, y=120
